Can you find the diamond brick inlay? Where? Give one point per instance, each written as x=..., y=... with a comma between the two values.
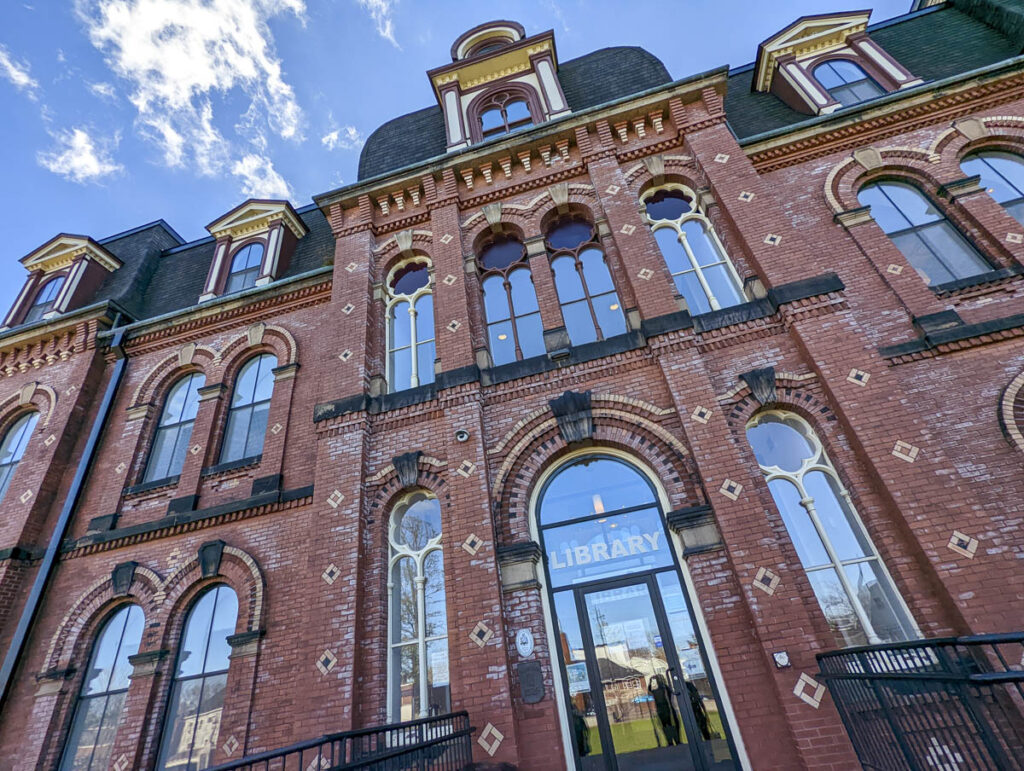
x=701, y=414
x=121, y=764
x=612, y=189
x=345, y=355
x=809, y=690
x=454, y=325
x=772, y=240
x=1015, y=238
x=721, y=158
x=894, y=269
x=858, y=377
x=349, y=307
x=766, y=580
x=26, y=496
x=330, y=575
x=351, y=267
x=50, y=440
x=120, y=467
x=490, y=739
x=230, y=745
x=446, y=239
x=963, y=544
x=905, y=451
x=70, y=390
x=466, y=468
x=319, y=763
x=746, y=197
x=628, y=229
x=276, y=429
x=481, y=634
x=645, y=273
x=472, y=544
x=194, y=449
x=334, y=499
x=730, y=489
x=325, y=662
x=449, y=279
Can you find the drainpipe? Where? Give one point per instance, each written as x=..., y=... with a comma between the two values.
x=49, y=562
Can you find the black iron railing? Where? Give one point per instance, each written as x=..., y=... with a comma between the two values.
x=440, y=743
x=935, y=705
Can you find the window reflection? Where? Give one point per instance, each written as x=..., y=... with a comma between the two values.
x=174, y=430
x=847, y=82
x=514, y=328
x=13, y=447
x=44, y=300
x=250, y=407
x=410, y=326
x=1002, y=176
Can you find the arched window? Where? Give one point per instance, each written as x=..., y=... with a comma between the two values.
x=175, y=428
x=590, y=304
x=200, y=680
x=245, y=268
x=99, y=705
x=1002, y=175
x=250, y=406
x=44, y=299
x=418, y=620
x=852, y=585
x=846, y=82
x=503, y=113
x=514, y=328
x=13, y=447
x=410, y=315
x=935, y=249
x=700, y=268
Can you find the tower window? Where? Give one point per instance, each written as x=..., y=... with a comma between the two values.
x=846, y=82
x=504, y=113
x=45, y=298
x=245, y=268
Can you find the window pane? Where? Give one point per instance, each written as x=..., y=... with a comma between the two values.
x=419, y=523
x=672, y=250
x=400, y=325
x=491, y=120
x=878, y=599
x=236, y=434
x=81, y=744
x=567, y=280
x=911, y=202
x=401, y=369
x=524, y=297
x=842, y=620
x=778, y=443
x=579, y=323
x=570, y=234
x=596, y=273
x=439, y=691
x=847, y=540
x=531, y=335
x=224, y=618
x=264, y=388
x=258, y=415
x=828, y=77
x=425, y=355
x=435, y=616
x=501, y=254
x=245, y=383
x=688, y=285
x=403, y=600
x=1016, y=210
x=425, y=318
x=247, y=257
x=960, y=257
x=1002, y=174
x=180, y=728
x=921, y=258
x=517, y=111
x=591, y=486
x=866, y=89
x=495, y=299
x=131, y=637
x=609, y=315
x=503, y=349
x=405, y=677
x=409, y=278
x=700, y=243
x=207, y=720
x=883, y=210
x=798, y=524
x=196, y=637
x=16, y=440
x=667, y=205
x=723, y=286
x=161, y=457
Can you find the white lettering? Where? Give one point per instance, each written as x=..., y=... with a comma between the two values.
x=600, y=552
x=636, y=544
x=652, y=539
x=618, y=549
x=582, y=555
x=574, y=556
x=555, y=564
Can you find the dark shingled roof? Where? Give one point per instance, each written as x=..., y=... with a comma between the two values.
x=933, y=45
x=598, y=77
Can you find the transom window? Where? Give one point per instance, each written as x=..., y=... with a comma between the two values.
x=44, y=299
x=1002, y=175
x=250, y=407
x=590, y=305
x=13, y=448
x=932, y=246
x=847, y=82
x=101, y=700
x=700, y=268
x=175, y=428
x=410, y=316
x=200, y=681
x=852, y=585
x=504, y=113
x=245, y=268
x=418, y=683
x=514, y=327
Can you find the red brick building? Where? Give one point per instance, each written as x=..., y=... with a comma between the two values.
x=598, y=407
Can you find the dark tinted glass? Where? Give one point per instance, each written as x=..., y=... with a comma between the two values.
x=569, y=234
x=247, y=257
x=668, y=205
x=13, y=447
x=407, y=280
x=501, y=254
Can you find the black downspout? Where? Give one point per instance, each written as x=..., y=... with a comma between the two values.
x=46, y=567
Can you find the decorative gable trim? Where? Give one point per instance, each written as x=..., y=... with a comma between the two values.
x=63, y=250
x=255, y=216
x=806, y=36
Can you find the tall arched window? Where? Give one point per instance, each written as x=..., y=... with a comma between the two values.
x=250, y=406
x=99, y=705
x=13, y=447
x=700, y=268
x=44, y=299
x=852, y=585
x=175, y=428
x=418, y=639
x=514, y=328
x=847, y=82
x=245, y=268
x=200, y=680
x=503, y=113
x=935, y=249
x=590, y=304
x=1002, y=175
x=410, y=315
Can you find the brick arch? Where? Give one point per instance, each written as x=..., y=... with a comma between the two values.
x=389, y=488
x=673, y=170
x=1002, y=132
x=1011, y=412
x=30, y=397
x=422, y=241
x=189, y=358
x=391, y=263
x=259, y=338
x=909, y=164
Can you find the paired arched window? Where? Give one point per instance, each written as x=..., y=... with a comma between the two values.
x=418, y=683
x=250, y=406
x=1002, y=175
x=503, y=113
x=700, y=268
x=852, y=585
x=846, y=82
x=590, y=305
x=175, y=428
x=245, y=268
x=200, y=680
x=45, y=297
x=410, y=317
x=514, y=328
x=12, y=448
x=98, y=709
x=935, y=249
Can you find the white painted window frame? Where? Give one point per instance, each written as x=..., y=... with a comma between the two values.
x=414, y=342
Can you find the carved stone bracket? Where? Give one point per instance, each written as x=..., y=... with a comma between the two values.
x=148, y=663
x=245, y=644
x=696, y=526
x=407, y=468
x=122, y=577
x=210, y=554
x=517, y=563
x=574, y=416
x=762, y=384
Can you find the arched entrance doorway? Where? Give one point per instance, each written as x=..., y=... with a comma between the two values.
x=638, y=687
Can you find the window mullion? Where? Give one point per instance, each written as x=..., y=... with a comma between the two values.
x=586, y=292
x=697, y=270
x=421, y=633
x=512, y=317
x=414, y=365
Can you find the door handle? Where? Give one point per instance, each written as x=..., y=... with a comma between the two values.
x=674, y=680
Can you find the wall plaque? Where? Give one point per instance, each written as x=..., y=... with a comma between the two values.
x=531, y=681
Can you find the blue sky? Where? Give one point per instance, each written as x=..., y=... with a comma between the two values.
x=120, y=112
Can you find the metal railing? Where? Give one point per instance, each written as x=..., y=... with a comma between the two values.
x=441, y=743
x=935, y=705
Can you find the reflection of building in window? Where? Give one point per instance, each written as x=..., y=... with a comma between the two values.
x=1002, y=175
x=174, y=429
x=245, y=268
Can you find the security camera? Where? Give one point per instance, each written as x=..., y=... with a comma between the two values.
x=462, y=435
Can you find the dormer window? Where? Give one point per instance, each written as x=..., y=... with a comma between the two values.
x=245, y=268
x=504, y=113
x=846, y=82
x=45, y=299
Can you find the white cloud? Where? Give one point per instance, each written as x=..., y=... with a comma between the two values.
x=17, y=73
x=182, y=57
x=259, y=179
x=79, y=157
x=103, y=90
x=346, y=138
x=380, y=12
